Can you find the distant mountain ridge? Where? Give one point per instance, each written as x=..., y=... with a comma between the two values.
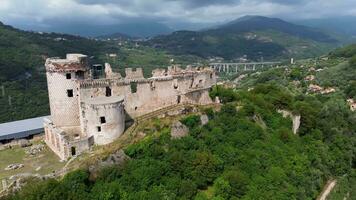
x=345, y=25
x=120, y=36
x=248, y=23
x=253, y=36
x=141, y=29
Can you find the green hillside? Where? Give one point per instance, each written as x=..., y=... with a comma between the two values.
x=247, y=149
x=22, y=57
x=253, y=36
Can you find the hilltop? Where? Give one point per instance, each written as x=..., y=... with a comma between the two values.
x=254, y=36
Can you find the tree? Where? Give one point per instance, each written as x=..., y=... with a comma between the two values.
x=222, y=188
x=353, y=61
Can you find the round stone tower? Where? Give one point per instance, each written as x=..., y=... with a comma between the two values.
x=62, y=76
x=103, y=118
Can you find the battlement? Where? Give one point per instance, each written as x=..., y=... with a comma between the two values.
x=133, y=73
x=72, y=63
x=157, y=75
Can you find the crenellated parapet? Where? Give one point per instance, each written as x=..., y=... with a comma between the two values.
x=72, y=63
x=133, y=73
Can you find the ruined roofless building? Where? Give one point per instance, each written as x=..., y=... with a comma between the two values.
x=89, y=104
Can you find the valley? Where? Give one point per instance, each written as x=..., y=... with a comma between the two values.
x=284, y=131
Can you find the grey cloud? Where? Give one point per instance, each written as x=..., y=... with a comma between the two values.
x=105, y=12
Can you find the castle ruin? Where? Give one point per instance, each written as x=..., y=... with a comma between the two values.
x=89, y=104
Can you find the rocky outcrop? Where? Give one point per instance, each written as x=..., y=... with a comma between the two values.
x=317, y=89
x=178, y=130
x=13, y=167
x=352, y=104
x=309, y=78
x=117, y=158
x=204, y=119
x=34, y=150
x=295, y=119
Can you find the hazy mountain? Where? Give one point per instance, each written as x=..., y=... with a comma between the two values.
x=119, y=36
x=254, y=36
x=259, y=23
x=345, y=25
x=132, y=29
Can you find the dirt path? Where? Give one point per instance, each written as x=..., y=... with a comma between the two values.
x=327, y=189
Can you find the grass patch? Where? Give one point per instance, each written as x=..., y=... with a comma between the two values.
x=46, y=159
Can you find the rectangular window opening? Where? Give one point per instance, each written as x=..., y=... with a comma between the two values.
x=108, y=92
x=70, y=93
x=73, y=151
x=102, y=120
x=178, y=99
x=98, y=128
x=79, y=74
x=68, y=75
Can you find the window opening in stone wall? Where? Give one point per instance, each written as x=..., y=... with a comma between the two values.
x=136, y=108
x=68, y=75
x=175, y=84
x=98, y=128
x=102, y=120
x=191, y=84
x=178, y=99
x=79, y=74
x=211, y=75
x=73, y=151
x=108, y=91
x=70, y=93
x=133, y=87
x=98, y=72
x=152, y=85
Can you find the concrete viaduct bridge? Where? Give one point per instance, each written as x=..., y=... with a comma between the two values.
x=237, y=67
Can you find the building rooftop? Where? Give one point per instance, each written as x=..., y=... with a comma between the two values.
x=73, y=62
x=105, y=100
x=21, y=129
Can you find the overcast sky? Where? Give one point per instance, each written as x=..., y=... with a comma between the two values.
x=50, y=12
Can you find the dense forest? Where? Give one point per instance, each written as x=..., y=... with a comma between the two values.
x=234, y=156
x=246, y=151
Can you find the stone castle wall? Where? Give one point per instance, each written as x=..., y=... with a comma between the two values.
x=103, y=119
x=64, y=109
x=96, y=109
x=153, y=93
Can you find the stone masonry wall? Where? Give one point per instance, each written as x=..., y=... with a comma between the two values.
x=154, y=93
x=105, y=122
x=64, y=109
